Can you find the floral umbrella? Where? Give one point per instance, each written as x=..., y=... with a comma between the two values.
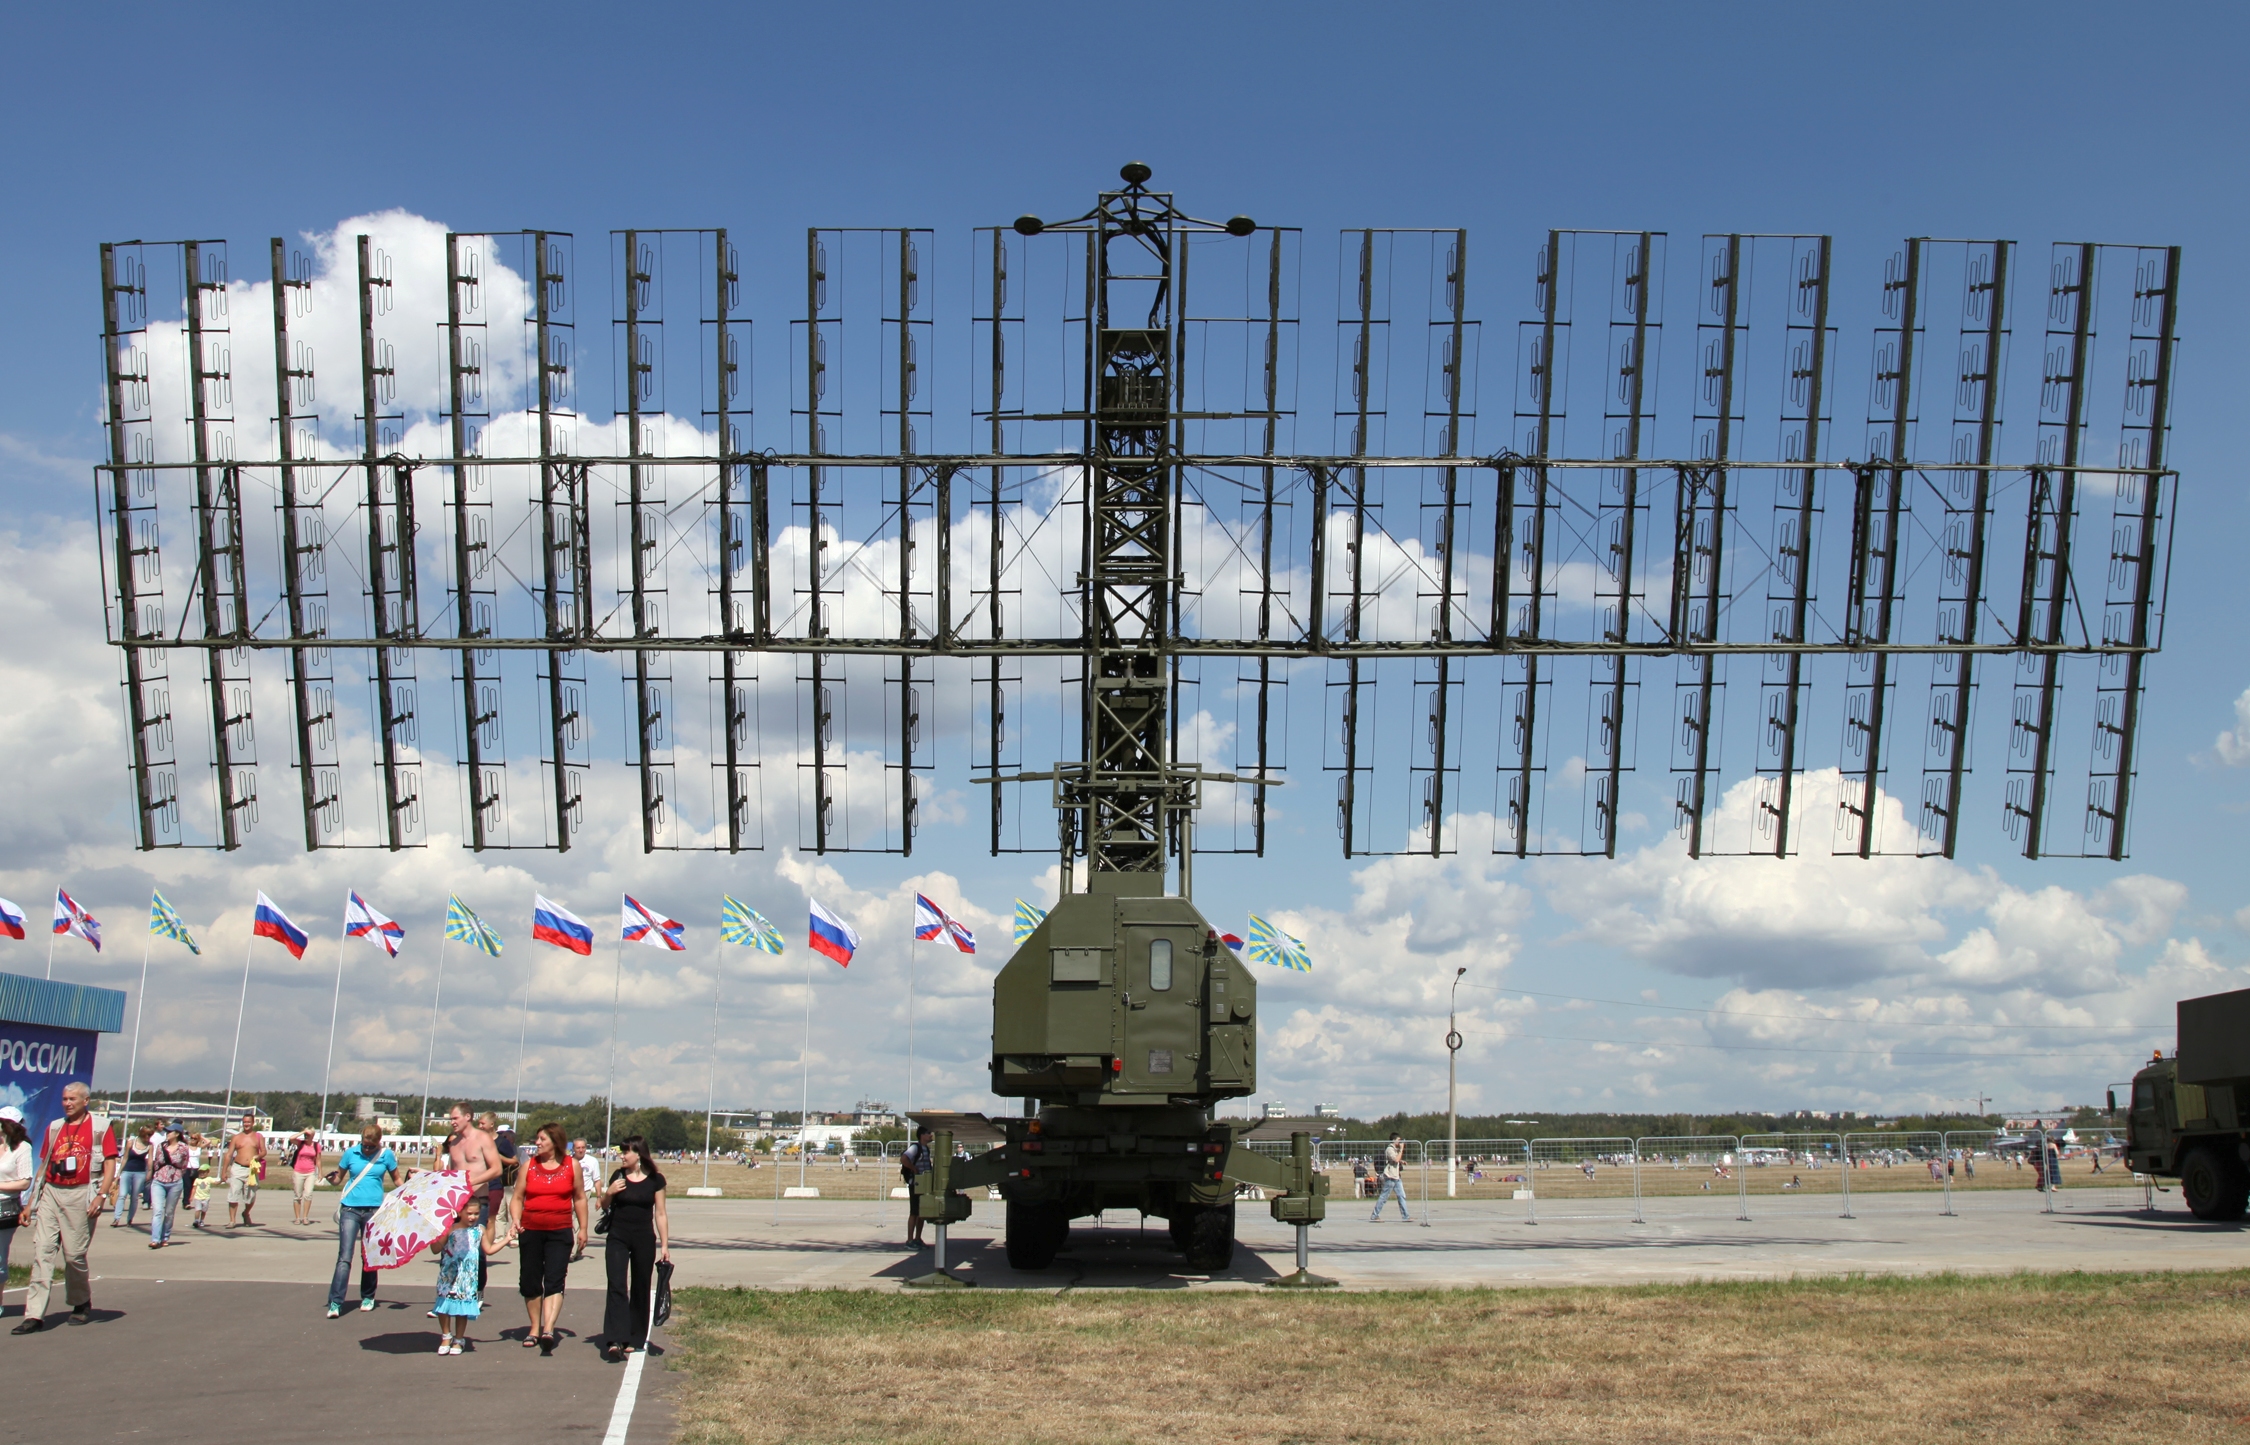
x=413, y=1217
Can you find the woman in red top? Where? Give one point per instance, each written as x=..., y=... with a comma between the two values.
x=549, y=1200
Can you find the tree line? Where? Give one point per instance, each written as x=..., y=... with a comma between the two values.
x=1536, y=1124
x=295, y=1109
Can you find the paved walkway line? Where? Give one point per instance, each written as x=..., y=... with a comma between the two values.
x=621, y=1415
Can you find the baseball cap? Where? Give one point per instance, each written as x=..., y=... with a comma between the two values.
x=11, y=1112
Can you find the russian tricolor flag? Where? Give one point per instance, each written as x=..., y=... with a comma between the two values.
x=270, y=922
x=555, y=924
x=1232, y=940
x=642, y=926
x=832, y=936
x=12, y=921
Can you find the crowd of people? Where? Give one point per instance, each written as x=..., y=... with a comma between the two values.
x=546, y=1199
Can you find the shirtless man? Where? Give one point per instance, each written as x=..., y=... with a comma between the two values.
x=244, y=1153
x=470, y=1150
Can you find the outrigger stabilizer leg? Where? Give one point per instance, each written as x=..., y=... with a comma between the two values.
x=1303, y=1203
x=940, y=1207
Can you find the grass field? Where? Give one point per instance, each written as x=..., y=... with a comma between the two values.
x=2069, y=1357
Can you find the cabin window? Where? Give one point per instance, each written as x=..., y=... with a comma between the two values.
x=1160, y=965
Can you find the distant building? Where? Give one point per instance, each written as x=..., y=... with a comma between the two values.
x=1327, y=1111
x=206, y=1118
x=823, y=1138
x=1277, y=1111
x=382, y=1113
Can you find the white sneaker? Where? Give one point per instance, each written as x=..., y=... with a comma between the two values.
x=366, y=1306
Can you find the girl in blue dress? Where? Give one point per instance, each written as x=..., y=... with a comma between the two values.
x=458, y=1298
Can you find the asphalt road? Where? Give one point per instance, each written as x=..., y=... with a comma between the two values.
x=188, y=1360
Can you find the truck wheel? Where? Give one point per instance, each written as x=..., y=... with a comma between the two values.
x=2215, y=1186
x=1033, y=1234
x=1210, y=1243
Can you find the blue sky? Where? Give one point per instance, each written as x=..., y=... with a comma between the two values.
x=2037, y=123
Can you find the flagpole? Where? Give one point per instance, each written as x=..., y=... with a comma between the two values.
x=711, y=1085
x=335, y=1006
x=616, y=992
x=911, y=955
x=429, y=1063
x=140, y=1011
x=240, y=1004
x=523, y=1031
x=51, y=940
x=804, y=1067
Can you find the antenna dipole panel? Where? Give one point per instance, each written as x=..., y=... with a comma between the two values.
x=741, y=547
x=1104, y=553
x=304, y=551
x=2139, y=513
x=128, y=494
x=1965, y=533
x=220, y=587
x=470, y=364
x=390, y=527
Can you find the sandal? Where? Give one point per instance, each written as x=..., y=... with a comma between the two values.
x=547, y=1345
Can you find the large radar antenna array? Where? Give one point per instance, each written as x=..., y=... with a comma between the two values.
x=1119, y=562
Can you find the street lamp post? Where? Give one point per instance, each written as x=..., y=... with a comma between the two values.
x=1452, y=1057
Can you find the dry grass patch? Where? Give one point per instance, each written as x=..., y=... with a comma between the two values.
x=2076, y=1357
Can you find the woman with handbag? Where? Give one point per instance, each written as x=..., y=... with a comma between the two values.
x=639, y=1237
x=549, y=1199
x=169, y=1169
x=363, y=1170
x=15, y=1178
x=132, y=1186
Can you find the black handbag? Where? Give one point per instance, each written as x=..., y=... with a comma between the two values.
x=660, y=1312
x=11, y=1209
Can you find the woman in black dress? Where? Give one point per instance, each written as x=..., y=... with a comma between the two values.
x=639, y=1236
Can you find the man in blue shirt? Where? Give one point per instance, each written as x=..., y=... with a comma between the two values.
x=363, y=1170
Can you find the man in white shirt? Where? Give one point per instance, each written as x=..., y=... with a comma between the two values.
x=1392, y=1172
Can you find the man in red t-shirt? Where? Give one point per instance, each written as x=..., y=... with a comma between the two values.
x=64, y=1201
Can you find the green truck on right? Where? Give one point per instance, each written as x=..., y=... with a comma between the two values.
x=2190, y=1114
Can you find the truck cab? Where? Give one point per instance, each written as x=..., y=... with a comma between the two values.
x=2188, y=1119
